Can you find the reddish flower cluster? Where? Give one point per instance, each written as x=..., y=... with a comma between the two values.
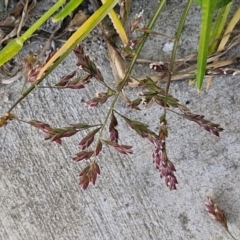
x=160, y=158
x=87, y=141
x=135, y=21
x=33, y=73
x=153, y=94
x=124, y=149
x=34, y=67
x=89, y=175
x=163, y=164
x=134, y=104
x=200, y=120
x=83, y=155
x=100, y=99
x=206, y=124
x=112, y=129
x=215, y=212
x=86, y=64
x=54, y=134
x=77, y=83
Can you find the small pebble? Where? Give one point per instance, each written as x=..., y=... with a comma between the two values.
x=168, y=47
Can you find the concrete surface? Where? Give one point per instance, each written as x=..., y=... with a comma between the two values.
x=39, y=193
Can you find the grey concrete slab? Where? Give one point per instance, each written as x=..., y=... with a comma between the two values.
x=39, y=193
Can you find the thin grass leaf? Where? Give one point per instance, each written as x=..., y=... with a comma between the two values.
x=69, y=8
x=16, y=44
x=208, y=8
x=235, y=19
x=117, y=25
x=77, y=37
x=218, y=27
x=219, y=3
x=226, y=34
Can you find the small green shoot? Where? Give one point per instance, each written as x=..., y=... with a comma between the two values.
x=69, y=8
x=218, y=27
x=208, y=9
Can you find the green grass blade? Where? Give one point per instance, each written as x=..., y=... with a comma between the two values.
x=80, y=34
x=218, y=3
x=12, y=48
x=69, y=8
x=218, y=27
x=117, y=24
x=176, y=41
x=208, y=7
x=62, y=53
x=16, y=44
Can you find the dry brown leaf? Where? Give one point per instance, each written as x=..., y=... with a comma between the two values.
x=116, y=61
x=78, y=19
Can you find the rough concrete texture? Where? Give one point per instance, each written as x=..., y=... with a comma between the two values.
x=39, y=193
